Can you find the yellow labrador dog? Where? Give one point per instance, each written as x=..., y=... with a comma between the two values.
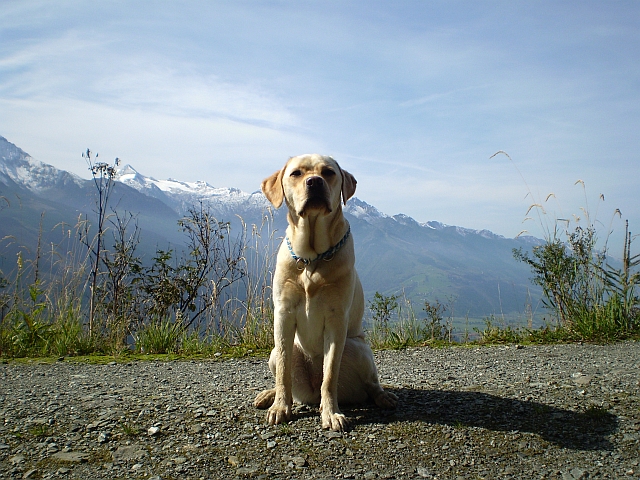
x=320, y=354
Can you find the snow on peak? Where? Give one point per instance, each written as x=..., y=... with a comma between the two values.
x=363, y=210
x=189, y=193
x=433, y=225
x=28, y=172
x=127, y=171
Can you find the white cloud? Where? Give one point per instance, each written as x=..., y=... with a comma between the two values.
x=157, y=144
x=75, y=67
x=175, y=93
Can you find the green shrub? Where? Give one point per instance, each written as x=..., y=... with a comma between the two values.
x=394, y=323
x=494, y=334
x=590, y=300
x=159, y=336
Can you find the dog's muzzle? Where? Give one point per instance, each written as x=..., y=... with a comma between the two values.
x=317, y=195
x=314, y=182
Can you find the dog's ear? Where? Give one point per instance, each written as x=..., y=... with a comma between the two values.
x=348, y=185
x=272, y=188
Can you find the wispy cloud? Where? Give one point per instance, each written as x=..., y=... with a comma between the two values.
x=439, y=96
x=73, y=66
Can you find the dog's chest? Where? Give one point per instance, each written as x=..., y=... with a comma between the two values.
x=299, y=286
x=310, y=297
x=312, y=282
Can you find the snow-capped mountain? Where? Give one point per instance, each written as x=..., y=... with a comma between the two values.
x=225, y=201
x=20, y=168
x=182, y=195
x=394, y=253
x=363, y=210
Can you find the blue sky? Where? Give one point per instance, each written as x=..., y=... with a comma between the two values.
x=412, y=97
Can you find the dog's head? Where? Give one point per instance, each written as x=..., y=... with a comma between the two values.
x=310, y=184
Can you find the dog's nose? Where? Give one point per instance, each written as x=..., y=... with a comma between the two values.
x=314, y=181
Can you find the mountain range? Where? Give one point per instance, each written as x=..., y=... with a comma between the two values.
x=472, y=271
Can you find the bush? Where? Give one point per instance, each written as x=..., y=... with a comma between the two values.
x=590, y=299
x=159, y=336
x=394, y=323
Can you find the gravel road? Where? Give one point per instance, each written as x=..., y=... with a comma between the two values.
x=565, y=412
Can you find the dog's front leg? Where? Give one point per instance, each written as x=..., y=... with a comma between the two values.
x=284, y=331
x=333, y=348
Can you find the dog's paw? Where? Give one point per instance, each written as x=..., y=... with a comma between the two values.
x=278, y=414
x=265, y=399
x=386, y=400
x=335, y=421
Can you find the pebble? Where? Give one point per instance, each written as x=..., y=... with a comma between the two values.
x=423, y=472
x=300, y=461
x=30, y=473
x=16, y=459
x=71, y=457
x=581, y=379
x=126, y=453
x=196, y=429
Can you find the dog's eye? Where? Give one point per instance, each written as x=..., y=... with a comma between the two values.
x=327, y=172
x=296, y=173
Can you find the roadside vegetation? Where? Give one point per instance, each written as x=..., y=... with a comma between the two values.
x=93, y=294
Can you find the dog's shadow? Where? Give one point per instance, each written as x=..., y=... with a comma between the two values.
x=582, y=430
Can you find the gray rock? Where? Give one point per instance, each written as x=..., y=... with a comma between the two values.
x=299, y=461
x=579, y=473
x=581, y=379
x=126, y=453
x=17, y=459
x=196, y=429
x=71, y=457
